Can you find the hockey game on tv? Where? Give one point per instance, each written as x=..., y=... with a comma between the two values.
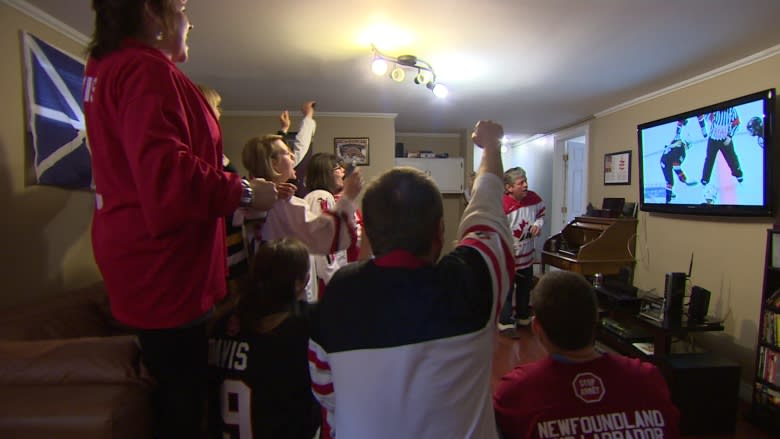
x=710, y=161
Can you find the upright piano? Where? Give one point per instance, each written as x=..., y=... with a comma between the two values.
x=590, y=245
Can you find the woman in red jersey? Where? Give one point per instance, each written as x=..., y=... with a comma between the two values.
x=161, y=196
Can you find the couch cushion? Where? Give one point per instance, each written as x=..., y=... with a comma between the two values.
x=92, y=360
x=75, y=411
x=83, y=312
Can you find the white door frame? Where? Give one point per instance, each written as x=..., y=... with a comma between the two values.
x=559, y=173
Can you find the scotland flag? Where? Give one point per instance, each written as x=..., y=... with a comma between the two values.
x=56, y=119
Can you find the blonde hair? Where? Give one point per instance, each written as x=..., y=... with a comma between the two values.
x=259, y=153
x=212, y=97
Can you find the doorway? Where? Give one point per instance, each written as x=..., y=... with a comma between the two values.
x=570, y=176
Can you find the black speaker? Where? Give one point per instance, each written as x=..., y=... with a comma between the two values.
x=399, y=149
x=674, y=292
x=705, y=389
x=699, y=304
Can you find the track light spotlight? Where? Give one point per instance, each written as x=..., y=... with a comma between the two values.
x=425, y=75
x=379, y=66
x=398, y=74
x=439, y=90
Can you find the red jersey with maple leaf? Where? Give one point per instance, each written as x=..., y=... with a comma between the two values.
x=521, y=216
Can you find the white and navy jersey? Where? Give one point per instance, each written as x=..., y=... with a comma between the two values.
x=259, y=384
x=521, y=215
x=723, y=123
x=402, y=348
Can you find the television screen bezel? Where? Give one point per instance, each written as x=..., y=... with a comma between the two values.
x=768, y=97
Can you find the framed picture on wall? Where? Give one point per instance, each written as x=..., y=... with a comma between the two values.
x=617, y=168
x=354, y=149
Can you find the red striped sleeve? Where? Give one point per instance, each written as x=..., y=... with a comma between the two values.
x=479, y=244
x=508, y=254
x=317, y=362
x=322, y=389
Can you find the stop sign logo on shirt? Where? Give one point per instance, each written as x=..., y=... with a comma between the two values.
x=588, y=387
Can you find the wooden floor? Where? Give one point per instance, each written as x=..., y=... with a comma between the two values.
x=510, y=352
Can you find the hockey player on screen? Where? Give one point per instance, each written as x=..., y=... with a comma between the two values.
x=755, y=128
x=673, y=156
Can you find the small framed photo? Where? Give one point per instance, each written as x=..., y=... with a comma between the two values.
x=354, y=149
x=617, y=168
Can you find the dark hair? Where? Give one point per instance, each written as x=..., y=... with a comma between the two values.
x=402, y=209
x=319, y=172
x=116, y=20
x=566, y=307
x=277, y=265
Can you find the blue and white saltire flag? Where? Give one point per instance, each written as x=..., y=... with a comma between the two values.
x=56, y=117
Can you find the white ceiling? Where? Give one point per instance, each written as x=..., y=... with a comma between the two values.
x=535, y=65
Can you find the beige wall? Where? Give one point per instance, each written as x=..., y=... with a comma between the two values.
x=451, y=144
x=44, y=231
x=729, y=253
x=380, y=130
x=455, y=146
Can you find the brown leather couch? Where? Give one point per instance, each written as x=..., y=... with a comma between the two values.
x=68, y=370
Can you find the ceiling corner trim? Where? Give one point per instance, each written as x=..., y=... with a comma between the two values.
x=259, y=113
x=250, y=113
x=744, y=62
x=368, y=115
x=39, y=15
x=435, y=135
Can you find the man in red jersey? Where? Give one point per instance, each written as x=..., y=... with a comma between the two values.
x=576, y=391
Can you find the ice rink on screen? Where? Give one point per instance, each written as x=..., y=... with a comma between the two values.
x=724, y=187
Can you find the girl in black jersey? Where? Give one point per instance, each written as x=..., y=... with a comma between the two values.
x=259, y=373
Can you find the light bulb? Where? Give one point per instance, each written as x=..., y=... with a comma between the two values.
x=398, y=74
x=440, y=90
x=379, y=66
x=423, y=77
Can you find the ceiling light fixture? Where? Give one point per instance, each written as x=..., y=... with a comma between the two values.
x=424, y=71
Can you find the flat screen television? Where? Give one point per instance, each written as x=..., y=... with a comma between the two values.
x=714, y=160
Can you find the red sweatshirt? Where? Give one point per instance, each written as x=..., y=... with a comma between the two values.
x=157, y=232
